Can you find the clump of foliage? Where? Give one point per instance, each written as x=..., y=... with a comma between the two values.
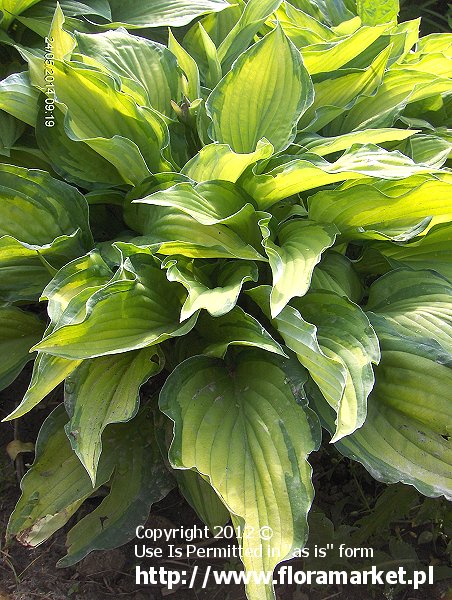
x=251, y=211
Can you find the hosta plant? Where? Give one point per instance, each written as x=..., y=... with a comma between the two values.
x=248, y=206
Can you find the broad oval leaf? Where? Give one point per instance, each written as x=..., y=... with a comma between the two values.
x=158, y=13
x=101, y=391
x=332, y=97
x=219, y=296
x=19, y=98
x=170, y=232
x=293, y=258
x=345, y=334
x=140, y=479
x=146, y=62
x=219, y=161
x=55, y=486
x=221, y=213
x=336, y=343
x=43, y=224
x=149, y=306
x=129, y=136
x=292, y=175
x=241, y=426
x=263, y=96
x=368, y=206
x=400, y=88
x=52, y=208
x=406, y=436
x=75, y=161
x=213, y=336
x=434, y=250
x=335, y=273
x=415, y=305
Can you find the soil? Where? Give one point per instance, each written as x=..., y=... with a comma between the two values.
x=28, y=574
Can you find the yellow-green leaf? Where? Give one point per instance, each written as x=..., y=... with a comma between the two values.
x=263, y=95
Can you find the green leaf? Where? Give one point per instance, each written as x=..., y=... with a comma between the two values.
x=210, y=202
x=292, y=260
x=133, y=149
x=189, y=67
x=52, y=229
x=48, y=372
x=337, y=344
x=415, y=305
x=374, y=13
x=75, y=161
x=63, y=42
x=140, y=479
x=435, y=42
x=249, y=436
x=159, y=13
x=236, y=328
x=135, y=216
x=324, y=146
x=10, y=9
x=430, y=150
x=368, y=206
x=49, y=208
x=254, y=15
x=336, y=12
x=406, y=436
x=328, y=57
x=336, y=95
x=85, y=274
x=10, y=131
x=204, y=51
x=19, y=331
x=78, y=279
x=345, y=334
x=219, y=24
x=169, y=232
x=296, y=22
x=216, y=209
x=148, y=63
x=219, y=295
x=437, y=62
x=335, y=273
x=219, y=161
x=204, y=501
x=101, y=391
x=25, y=154
x=147, y=302
x=400, y=88
x=244, y=109
x=433, y=250
x=19, y=98
x=23, y=274
x=55, y=486
x=292, y=175
x=71, y=8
